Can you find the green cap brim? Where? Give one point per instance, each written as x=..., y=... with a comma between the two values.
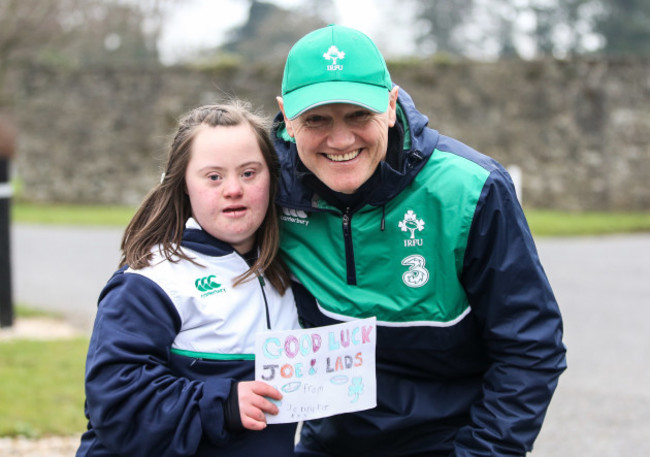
x=371, y=97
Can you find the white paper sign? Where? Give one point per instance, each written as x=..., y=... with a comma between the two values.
x=320, y=371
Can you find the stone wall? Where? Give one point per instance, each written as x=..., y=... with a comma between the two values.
x=579, y=130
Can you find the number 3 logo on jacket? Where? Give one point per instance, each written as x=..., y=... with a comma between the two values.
x=417, y=275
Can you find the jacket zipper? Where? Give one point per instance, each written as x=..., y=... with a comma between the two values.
x=349, y=251
x=266, y=303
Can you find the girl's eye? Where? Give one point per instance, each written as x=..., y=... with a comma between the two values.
x=248, y=174
x=214, y=177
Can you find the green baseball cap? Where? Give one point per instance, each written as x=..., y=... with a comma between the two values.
x=335, y=64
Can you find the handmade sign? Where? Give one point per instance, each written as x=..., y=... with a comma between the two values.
x=320, y=371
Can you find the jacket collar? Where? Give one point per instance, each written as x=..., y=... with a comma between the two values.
x=197, y=239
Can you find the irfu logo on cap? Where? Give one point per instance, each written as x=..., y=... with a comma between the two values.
x=334, y=55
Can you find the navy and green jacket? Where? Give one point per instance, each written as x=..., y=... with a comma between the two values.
x=169, y=344
x=469, y=340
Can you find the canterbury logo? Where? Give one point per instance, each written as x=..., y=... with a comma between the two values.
x=297, y=216
x=294, y=213
x=206, y=284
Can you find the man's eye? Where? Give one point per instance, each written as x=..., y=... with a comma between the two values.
x=360, y=116
x=315, y=121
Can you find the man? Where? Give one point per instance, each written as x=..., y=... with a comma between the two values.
x=386, y=217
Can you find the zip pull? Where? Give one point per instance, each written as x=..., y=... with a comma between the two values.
x=346, y=222
x=413, y=158
x=266, y=303
x=349, y=250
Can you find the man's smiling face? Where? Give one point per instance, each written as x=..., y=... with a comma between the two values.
x=342, y=144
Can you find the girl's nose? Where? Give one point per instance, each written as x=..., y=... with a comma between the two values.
x=232, y=188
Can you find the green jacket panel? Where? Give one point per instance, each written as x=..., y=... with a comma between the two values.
x=407, y=273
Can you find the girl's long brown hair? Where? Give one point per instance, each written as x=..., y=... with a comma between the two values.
x=160, y=219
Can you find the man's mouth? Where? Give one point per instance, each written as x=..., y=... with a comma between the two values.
x=343, y=157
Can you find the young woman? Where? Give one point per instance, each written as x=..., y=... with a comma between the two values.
x=171, y=358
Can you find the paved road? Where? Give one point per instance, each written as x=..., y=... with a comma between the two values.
x=602, y=405
x=63, y=269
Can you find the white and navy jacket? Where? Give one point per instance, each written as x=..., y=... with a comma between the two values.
x=169, y=342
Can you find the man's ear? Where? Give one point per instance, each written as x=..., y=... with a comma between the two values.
x=287, y=122
x=392, y=105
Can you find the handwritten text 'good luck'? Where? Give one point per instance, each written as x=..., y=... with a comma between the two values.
x=309, y=344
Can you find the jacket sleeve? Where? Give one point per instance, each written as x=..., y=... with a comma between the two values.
x=521, y=326
x=135, y=404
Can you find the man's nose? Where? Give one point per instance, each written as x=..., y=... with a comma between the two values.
x=340, y=136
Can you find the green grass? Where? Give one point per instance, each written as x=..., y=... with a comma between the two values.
x=42, y=387
x=542, y=222
x=21, y=310
x=555, y=223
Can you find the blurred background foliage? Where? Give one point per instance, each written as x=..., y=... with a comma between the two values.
x=44, y=42
x=127, y=32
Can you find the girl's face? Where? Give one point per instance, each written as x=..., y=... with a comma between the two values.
x=228, y=184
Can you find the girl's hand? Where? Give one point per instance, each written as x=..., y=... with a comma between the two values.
x=253, y=405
